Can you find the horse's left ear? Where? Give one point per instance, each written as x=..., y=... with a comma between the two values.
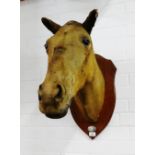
x=52, y=26
x=90, y=20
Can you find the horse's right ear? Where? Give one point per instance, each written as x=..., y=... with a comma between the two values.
x=90, y=20
x=52, y=26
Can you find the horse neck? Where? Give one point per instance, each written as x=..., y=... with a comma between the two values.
x=91, y=97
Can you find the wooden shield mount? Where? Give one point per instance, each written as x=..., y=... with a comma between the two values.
x=93, y=129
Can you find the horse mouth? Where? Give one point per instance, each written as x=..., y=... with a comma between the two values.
x=56, y=115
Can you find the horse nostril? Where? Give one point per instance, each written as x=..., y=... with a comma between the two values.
x=40, y=87
x=39, y=97
x=59, y=94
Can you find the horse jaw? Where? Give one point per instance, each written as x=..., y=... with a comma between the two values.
x=91, y=96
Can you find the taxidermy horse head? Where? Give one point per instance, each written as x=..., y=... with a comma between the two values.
x=73, y=72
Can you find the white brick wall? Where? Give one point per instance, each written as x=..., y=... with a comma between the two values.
x=113, y=37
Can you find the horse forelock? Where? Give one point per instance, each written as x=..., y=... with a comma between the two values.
x=73, y=22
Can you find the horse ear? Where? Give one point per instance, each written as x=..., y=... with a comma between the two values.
x=52, y=26
x=90, y=20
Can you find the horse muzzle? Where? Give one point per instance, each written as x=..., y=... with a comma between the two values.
x=53, y=105
x=56, y=97
x=56, y=115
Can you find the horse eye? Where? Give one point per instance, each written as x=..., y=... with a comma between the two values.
x=85, y=41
